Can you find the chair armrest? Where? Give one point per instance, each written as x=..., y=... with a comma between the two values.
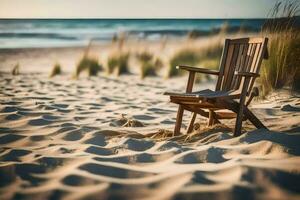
x=246, y=74
x=198, y=70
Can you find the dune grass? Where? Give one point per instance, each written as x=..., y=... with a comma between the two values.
x=282, y=69
x=147, y=69
x=56, y=70
x=118, y=64
x=88, y=64
x=183, y=57
x=145, y=56
x=206, y=57
x=16, y=70
x=149, y=64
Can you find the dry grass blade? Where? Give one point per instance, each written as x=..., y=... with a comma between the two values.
x=16, y=70
x=118, y=64
x=56, y=70
x=283, y=66
x=149, y=64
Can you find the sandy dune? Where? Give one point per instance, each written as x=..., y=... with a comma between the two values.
x=63, y=138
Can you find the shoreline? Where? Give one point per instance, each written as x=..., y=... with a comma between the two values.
x=34, y=59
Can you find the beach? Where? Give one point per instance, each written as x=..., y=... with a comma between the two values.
x=111, y=137
x=66, y=138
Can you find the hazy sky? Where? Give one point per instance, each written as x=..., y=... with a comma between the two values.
x=135, y=8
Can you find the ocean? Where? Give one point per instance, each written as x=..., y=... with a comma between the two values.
x=32, y=33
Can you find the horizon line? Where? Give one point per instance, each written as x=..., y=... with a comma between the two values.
x=129, y=18
x=135, y=18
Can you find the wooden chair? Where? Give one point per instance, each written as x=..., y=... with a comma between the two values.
x=239, y=67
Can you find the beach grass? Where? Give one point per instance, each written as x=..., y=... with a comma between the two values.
x=183, y=57
x=56, y=70
x=88, y=64
x=145, y=56
x=282, y=68
x=118, y=64
x=206, y=57
x=148, y=69
x=16, y=70
x=149, y=64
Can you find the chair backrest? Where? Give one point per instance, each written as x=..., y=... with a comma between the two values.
x=243, y=54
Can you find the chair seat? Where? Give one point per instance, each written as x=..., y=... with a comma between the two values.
x=207, y=94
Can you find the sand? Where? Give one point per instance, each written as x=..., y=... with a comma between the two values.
x=101, y=138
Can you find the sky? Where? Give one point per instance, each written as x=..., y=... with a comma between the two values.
x=135, y=8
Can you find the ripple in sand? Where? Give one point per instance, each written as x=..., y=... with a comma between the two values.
x=99, y=151
x=14, y=155
x=60, y=105
x=75, y=180
x=143, y=117
x=50, y=117
x=51, y=162
x=288, y=181
x=97, y=139
x=73, y=136
x=126, y=122
x=290, y=108
x=119, y=159
x=199, y=177
x=111, y=171
x=50, y=194
x=7, y=175
x=138, y=145
x=13, y=117
x=76, y=134
x=27, y=170
x=39, y=122
x=10, y=138
x=211, y=155
x=38, y=137
x=9, y=109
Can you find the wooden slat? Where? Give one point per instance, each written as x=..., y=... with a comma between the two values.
x=227, y=65
x=240, y=57
x=245, y=57
x=202, y=105
x=259, y=56
x=232, y=66
x=198, y=69
x=219, y=115
x=255, y=58
x=241, y=68
x=205, y=97
x=222, y=64
x=263, y=49
x=247, y=40
x=253, y=66
x=250, y=57
x=238, y=67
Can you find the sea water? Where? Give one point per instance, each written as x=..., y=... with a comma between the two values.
x=30, y=33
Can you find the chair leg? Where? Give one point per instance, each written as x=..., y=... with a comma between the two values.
x=191, y=124
x=212, y=118
x=189, y=88
x=235, y=107
x=239, y=121
x=178, y=120
x=253, y=119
